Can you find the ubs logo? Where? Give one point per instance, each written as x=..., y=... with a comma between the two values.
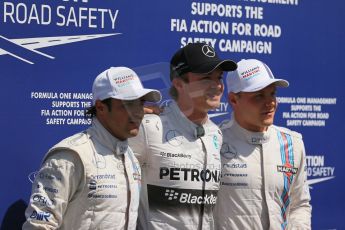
x=43, y=216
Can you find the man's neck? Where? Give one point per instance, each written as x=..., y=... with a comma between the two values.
x=249, y=127
x=196, y=116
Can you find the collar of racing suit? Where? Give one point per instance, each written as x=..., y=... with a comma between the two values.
x=254, y=138
x=105, y=138
x=187, y=125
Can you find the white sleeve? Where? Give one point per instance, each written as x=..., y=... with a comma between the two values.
x=53, y=188
x=300, y=208
x=138, y=144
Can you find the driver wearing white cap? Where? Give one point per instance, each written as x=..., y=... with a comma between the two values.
x=92, y=179
x=263, y=184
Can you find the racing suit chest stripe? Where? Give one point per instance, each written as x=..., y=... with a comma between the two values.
x=286, y=151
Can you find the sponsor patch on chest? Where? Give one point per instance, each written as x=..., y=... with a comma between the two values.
x=287, y=169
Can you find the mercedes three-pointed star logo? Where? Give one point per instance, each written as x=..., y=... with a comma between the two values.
x=208, y=51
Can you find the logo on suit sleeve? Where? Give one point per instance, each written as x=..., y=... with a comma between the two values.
x=174, y=137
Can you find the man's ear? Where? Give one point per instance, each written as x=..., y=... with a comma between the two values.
x=100, y=107
x=233, y=99
x=177, y=83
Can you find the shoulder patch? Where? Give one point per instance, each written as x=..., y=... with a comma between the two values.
x=78, y=139
x=150, y=117
x=75, y=140
x=288, y=131
x=152, y=122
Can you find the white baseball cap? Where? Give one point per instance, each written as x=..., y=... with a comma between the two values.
x=252, y=75
x=121, y=83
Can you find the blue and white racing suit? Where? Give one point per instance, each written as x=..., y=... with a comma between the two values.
x=263, y=184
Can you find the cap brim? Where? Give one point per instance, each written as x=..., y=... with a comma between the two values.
x=150, y=95
x=278, y=82
x=225, y=65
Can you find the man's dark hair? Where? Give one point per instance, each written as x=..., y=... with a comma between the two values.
x=92, y=112
x=173, y=91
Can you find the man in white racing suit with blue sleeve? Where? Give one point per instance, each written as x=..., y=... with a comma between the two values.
x=263, y=184
x=179, y=149
x=92, y=179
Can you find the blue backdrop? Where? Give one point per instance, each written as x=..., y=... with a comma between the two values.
x=51, y=51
